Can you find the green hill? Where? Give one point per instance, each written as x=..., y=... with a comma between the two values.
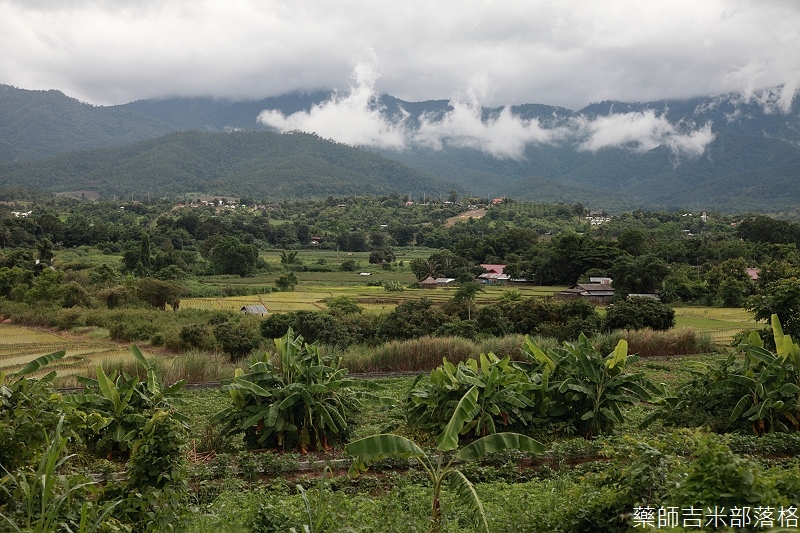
x=254, y=164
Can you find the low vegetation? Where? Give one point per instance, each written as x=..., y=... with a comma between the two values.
x=573, y=413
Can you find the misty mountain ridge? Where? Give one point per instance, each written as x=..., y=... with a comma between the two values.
x=726, y=152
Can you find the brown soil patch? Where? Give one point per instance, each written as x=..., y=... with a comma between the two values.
x=466, y=215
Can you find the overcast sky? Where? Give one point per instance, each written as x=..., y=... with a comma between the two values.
x=568, y=53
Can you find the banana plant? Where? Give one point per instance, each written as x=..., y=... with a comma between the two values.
x=29, y=408
x=442, y=466
x=504, y=395
x=769, y=383
x=586, y=388
x=120, y=405
x=305, y=401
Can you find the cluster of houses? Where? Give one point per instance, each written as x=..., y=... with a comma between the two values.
x=598, y=291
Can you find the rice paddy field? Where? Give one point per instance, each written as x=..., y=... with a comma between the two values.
x=19, y=345
x=311, y=296
x=721, y=323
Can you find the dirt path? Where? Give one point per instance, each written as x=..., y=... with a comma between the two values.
x=463, y=217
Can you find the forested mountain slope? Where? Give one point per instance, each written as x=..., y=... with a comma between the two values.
x=253, y=164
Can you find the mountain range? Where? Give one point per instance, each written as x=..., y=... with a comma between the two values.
x=726, y=152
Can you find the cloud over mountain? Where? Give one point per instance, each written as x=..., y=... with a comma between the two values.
x=355, y=116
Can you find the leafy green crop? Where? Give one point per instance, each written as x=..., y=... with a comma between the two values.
x=304, y=402
x=504, y=395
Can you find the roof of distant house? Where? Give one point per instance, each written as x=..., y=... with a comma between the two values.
x=493, y=269
x=254, y=309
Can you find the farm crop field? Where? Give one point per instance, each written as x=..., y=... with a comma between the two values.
x=722, y=323
x=466, y=407
x=19, y=345
x=314, y=289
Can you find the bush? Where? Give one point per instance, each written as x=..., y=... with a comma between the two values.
x=196, y=336
x=412, y=319
x=716, y=477
x=237, y=339
x=639, y=313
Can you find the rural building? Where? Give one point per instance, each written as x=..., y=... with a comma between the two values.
x=494, y=275
x=597, y=293
x=444, y=282
x=428, y=283
x=597, y=218
x=257, y=309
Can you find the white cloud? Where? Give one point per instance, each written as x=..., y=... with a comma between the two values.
x=641, y=132
x=502, y=136
x=354, y=117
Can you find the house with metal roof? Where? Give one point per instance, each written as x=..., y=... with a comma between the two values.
x=597, y=293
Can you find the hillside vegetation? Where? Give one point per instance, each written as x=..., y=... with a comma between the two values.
x=245, y=163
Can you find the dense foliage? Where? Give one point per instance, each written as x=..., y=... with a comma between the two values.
x=304, y=401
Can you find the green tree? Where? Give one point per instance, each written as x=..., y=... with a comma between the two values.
x=159, y=293
x=144, y=262
x=45, y=250
x=343, y=305
x=288, y=257
x=468, y=292
x=638, y=275
x=231, y=256
x=780, y=298
x=286, y=282
x=237, y=339
x=412, y=319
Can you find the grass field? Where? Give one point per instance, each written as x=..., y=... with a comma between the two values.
x=721, y=323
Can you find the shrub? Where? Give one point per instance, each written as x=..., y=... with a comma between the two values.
x=586, y=390
x=286, y=282
x=120, y=405
x=196, y=336
x=639, y=313
x=466, y=329
x=716, y=477
x=759, y=391
x=29, y=409
x=237, y=339
x=412, y=319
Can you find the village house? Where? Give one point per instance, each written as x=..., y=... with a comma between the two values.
x=494, y=275
x=597, y=218
x=596, y=293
